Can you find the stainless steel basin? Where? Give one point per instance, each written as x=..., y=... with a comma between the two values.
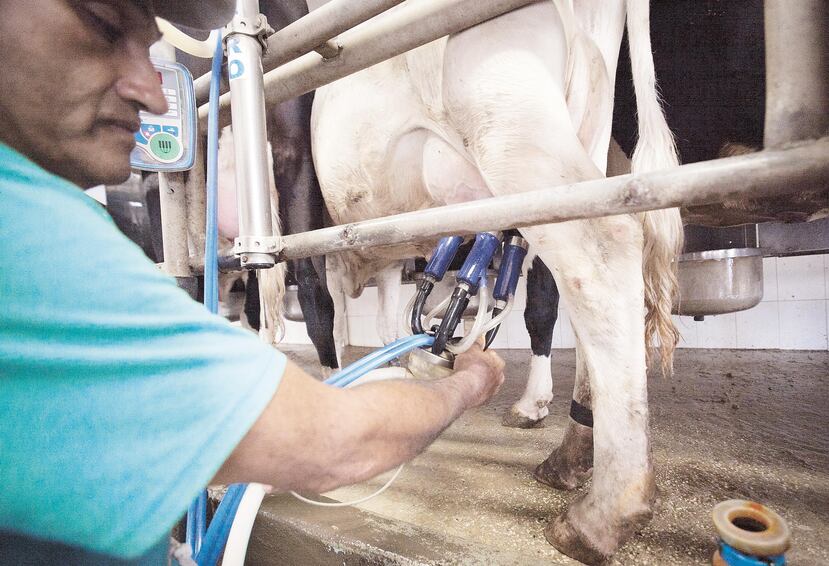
x=719, y=281
x=291, y=302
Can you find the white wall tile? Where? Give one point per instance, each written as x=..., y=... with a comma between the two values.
x=687, y=331
x=362, y=331
x=803, y=325
x=826, y=273
x=517, y=332
x=502, y=338
x=295, y=333
x=801, y=278
x=759, y=327
x=557, y=340
x=718, y=331
x=769, y=279
x=565, y=328
x=364, y=305
x=520, y=302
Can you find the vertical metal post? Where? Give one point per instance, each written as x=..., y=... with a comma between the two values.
x=195, y=193
x=173, y=203
x=174, y=224
x=245, y=43
x=797, y=70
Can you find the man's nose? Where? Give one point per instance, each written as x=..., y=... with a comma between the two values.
x=140, y=83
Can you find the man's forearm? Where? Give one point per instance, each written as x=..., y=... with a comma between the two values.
x=315, y=437
x=389, y=422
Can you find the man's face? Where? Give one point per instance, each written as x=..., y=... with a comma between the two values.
x=73, y=76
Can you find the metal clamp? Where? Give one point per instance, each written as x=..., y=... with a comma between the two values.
x=271, y=245
x=331, y=49
x=256, y=27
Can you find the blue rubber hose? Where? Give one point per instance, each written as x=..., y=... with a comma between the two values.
x=219, y=531
x=211, y=256
x=378, y=358
x=366, y=359
x=197, y=512
x=197, y=522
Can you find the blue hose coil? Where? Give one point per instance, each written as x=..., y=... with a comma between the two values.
x=219, y=531
x=197, y=512
x=734, y=557
x=378, y=358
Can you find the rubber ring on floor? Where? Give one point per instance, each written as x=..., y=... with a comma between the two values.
x=751, y=528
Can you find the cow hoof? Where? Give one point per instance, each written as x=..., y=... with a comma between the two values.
x=515, y=419
x=567, y=539
x=327, y=372
x=571, y=464
x=591, y=531
x=552, y=474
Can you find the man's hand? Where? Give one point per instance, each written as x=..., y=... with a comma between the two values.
x=483, y=373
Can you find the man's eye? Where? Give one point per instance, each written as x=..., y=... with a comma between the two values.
x=105, y=18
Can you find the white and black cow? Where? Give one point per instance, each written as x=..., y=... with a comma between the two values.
x=523, y=102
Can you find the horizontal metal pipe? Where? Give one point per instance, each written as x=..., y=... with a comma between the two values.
x=308, y=33
x=410, y=26
x=767, y=173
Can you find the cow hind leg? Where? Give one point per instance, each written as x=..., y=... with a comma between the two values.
x=530, y=143
x=571, y=464
x=388, y=303
x=318, y=311
x=600, y=275
x=335, y=274
x=540, y=317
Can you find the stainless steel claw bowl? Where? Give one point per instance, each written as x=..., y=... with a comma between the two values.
x=719, y=281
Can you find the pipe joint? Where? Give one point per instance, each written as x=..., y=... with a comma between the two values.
x=255, y=26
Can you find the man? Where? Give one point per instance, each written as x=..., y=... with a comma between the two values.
x=122, y=398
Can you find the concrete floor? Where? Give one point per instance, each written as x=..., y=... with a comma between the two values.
x=729, y=424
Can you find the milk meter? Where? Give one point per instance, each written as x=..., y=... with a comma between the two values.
x=168, y=142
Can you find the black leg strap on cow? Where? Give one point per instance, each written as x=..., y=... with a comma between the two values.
x=581, y=414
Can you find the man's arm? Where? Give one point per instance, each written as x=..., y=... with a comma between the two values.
x=316, y=437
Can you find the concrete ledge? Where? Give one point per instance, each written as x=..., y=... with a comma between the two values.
x=288, y=531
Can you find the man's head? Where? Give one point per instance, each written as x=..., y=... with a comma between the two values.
x=75, y=74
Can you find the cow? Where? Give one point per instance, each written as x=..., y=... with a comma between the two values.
x=522, y=102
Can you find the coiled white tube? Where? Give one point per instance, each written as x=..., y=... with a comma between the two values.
x=184, y=42
x=434, y=312
x=501, y=316
x=237, y=541
x=356, y=501
x=375, y=375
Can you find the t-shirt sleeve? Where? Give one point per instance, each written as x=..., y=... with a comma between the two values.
x=121, y=397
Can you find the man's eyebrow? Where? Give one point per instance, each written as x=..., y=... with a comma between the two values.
x=145, y=8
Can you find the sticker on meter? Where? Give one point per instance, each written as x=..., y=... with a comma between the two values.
x=165, y=147
x=167, y=142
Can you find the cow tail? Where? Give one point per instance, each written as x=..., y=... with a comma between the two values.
x=272, y=281
x=655, y=149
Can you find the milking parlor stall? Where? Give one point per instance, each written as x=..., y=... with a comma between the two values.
x=507, y=172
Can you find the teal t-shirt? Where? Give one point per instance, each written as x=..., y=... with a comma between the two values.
x=120, y=397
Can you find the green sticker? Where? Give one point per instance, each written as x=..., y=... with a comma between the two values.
x=164, y=146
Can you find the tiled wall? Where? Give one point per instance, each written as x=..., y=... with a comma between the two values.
x=793, y=315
